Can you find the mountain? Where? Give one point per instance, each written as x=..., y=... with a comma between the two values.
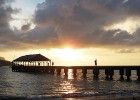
x=2, y=58
x=5, y=63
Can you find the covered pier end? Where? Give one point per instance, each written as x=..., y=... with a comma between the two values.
x=31, y=63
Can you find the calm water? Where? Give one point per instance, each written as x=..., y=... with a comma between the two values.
x=44, y=85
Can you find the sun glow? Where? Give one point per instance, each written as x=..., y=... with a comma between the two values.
x=69, y=54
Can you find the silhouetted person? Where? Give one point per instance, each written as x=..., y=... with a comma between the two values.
x=95, y=62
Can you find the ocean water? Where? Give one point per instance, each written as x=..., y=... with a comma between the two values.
x=42, y=85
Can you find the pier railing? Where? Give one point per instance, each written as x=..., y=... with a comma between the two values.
x=109, y=70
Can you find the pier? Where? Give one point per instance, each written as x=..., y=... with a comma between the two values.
x=42, y=64
x=108, y=70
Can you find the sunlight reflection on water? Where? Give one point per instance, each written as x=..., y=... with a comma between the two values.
x=67, y=87
x=70, y=74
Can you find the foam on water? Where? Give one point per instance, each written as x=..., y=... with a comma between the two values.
x=75, y=95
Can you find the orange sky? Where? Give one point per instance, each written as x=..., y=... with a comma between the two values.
x=69, y=56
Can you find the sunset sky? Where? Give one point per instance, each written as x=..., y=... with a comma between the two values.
x=72, y=32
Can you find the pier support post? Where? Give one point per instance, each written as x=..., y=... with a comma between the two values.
x=121, y=71
x=58, y=71
x=66, y=71
x=107, y=73
x=74, y=72
x=111, y=73
x=128, y=73
x=52, y=70
x=96, y=73
x=84, y=71
x=138, y=73
x=47, y=70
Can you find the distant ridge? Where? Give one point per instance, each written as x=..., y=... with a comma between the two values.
x=5, y=63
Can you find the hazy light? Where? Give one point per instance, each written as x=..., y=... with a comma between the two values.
x=68, y=55
x=83, y=56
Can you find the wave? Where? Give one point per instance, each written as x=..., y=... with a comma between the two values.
x=73, y=95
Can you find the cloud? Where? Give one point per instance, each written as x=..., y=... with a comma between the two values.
x=78, y=22
x=128, y=50
x=83, y=22
x=7, y=36
x=132, y=7
x=41, y=36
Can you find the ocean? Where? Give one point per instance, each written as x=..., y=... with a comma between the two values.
x=42, y=85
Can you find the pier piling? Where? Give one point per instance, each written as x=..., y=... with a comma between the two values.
x=111, y=73
x=107, y=73
x=84, y=71
x=66, y=71
x=128, y=73
x=138, y=74
x=58, y=71
x=96, y=73
x=74, y=72
x=52, y=70
x=121, y=72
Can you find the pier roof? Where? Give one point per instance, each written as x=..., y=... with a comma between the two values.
x=33, y=57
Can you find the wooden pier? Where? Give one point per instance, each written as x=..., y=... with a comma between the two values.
x=109, y=70
x=40, y=63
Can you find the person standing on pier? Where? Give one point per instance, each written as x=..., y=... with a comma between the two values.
x=95, y=62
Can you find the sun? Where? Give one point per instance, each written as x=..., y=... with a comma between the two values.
x=67, y=56
x=69, y=53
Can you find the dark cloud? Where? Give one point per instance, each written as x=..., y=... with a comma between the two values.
x=132, y=7
x=136, y=38
x=7, y=37
x=41, y=36
x=83, y=22
x=26, y=27
x=5, y=14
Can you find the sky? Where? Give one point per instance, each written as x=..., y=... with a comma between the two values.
x=72, y=32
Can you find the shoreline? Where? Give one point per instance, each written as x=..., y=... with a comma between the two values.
x=108, y=97
x=133, y=97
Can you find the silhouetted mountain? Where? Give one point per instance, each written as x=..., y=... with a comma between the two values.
x=5, y=63
x=2, y=58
